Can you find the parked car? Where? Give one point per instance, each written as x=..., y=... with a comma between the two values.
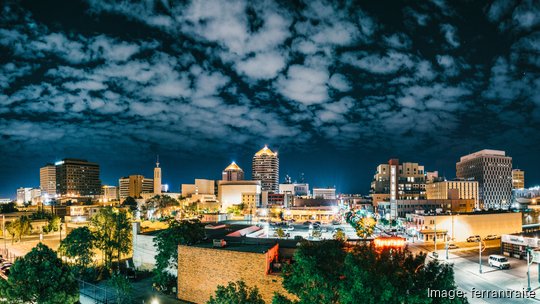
x=335, y=222
x=317, y=223
x=262, y=220
x=492, y=237
x=307, y=223
x=499, y=261
x=452, y=246
x=435, y=255
x=290, y=228
x=473, y=238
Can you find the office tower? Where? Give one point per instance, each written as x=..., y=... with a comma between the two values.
x=134, y=185
x=109, y=193
x=266, y=169
x=77, y=177
x=398, y=181
x=28, y=196
x=493, y=171
x=157, y=178
x=232, y=173
x=47, y=180
x=454, y=190
x=518, y=179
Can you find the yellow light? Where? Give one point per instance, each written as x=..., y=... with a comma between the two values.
x=389, y=242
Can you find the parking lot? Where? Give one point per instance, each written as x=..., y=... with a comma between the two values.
x=305, y=230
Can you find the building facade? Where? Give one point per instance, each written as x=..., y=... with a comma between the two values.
x=134, y=186
x=47, y=180
x=266, y=169
x=398, y=181
x=201, y=186
x=326, y=193
x=27, y=195
x=400, y=208
x=77, y=177
x=232, y=173
x=238, y=192
x=109, y=193
x=518, y=179
x=295, y=189
x=456, y=189
x=493, y=171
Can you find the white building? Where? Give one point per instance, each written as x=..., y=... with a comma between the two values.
x=25, y=195
x=109, y=193
x=47, y=180
x=201, y=186
x=325, y=193
x=238, y=192
x=5, y=200
x=295, y=189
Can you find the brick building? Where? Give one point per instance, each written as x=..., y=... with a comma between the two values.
x=201, y=268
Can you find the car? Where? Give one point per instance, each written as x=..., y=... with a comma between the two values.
x=452, y=246
x=435, y=255
x=290, y=228
x=307, y=223
x=317, y=223
x=499, y=261
x=492, y=237
x=336, y=222
x=473, y=238
x=262, y=220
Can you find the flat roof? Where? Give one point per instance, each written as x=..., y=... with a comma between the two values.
x=485, y=152
x=239, y=247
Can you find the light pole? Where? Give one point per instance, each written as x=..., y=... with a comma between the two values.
x=446, y=246
x=435, y=234
x=480, y=255
x=528, y=269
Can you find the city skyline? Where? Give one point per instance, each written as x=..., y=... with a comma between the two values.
x=336, y=89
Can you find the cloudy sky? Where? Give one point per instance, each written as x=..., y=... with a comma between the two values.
x=336, y=87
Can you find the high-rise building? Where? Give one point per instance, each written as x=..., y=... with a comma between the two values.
x=232, y=173
x=47, y=180
x=493, y=171
x=109, y=193
x=266, y=169
x=77, y=177
x=518, y=179
x=398, y=181
x=28, y=196
x=454, y=190
x=157, y=178
x=134, y=185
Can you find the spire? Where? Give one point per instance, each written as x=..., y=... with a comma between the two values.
x=157, y=161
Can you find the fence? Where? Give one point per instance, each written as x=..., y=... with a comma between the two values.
x=95, y=293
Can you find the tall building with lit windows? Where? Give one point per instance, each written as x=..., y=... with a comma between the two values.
x=266, y=169
x=77, y=177
x=395, y=181
x=157, y=178
x=518, y=179
x=493, y=171
x=47, y=180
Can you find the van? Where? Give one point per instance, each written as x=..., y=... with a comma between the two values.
x=499, y=261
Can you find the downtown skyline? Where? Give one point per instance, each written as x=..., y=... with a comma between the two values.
x=335, y=89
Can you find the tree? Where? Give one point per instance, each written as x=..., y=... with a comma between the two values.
x=159, y=206
x=184, y=232
x=280, y=233
x=236, y=293
x=389, y=275
x=8, y=208
x=317, y=265
x=53, y=224
x=123, y=288
x=78, y=245
x=40, y=277
x=131, y=203
x=340, y=235
x=365, y=227
x=112, y=232
x=236, y=209
x=19, y=227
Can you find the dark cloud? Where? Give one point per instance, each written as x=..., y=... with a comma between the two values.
x=191, y=80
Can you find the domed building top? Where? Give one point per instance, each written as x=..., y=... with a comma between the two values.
x=233, y=167
x=265, y=151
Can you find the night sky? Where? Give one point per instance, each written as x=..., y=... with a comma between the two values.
x=335, y=88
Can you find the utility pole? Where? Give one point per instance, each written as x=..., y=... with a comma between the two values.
x=480, y=255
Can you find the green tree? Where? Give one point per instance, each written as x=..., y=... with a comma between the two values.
x=184, y=232
x=236, y=209
x=317, y=265
x=340, y=235
x=78, y=245
x=19, y=227
x=389, y=275
x=112, y=233
x=123, y=288
x=40, y=277
x=280, y=233
x=53, y=224
x=365, y=227
x=159, y=206
x=236, y=293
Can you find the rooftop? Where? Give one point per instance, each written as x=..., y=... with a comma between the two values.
x=265, y=151
x=485, y=152
x=233, y=167
x=239, y=247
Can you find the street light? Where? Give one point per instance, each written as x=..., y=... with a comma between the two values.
x=480, y=254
